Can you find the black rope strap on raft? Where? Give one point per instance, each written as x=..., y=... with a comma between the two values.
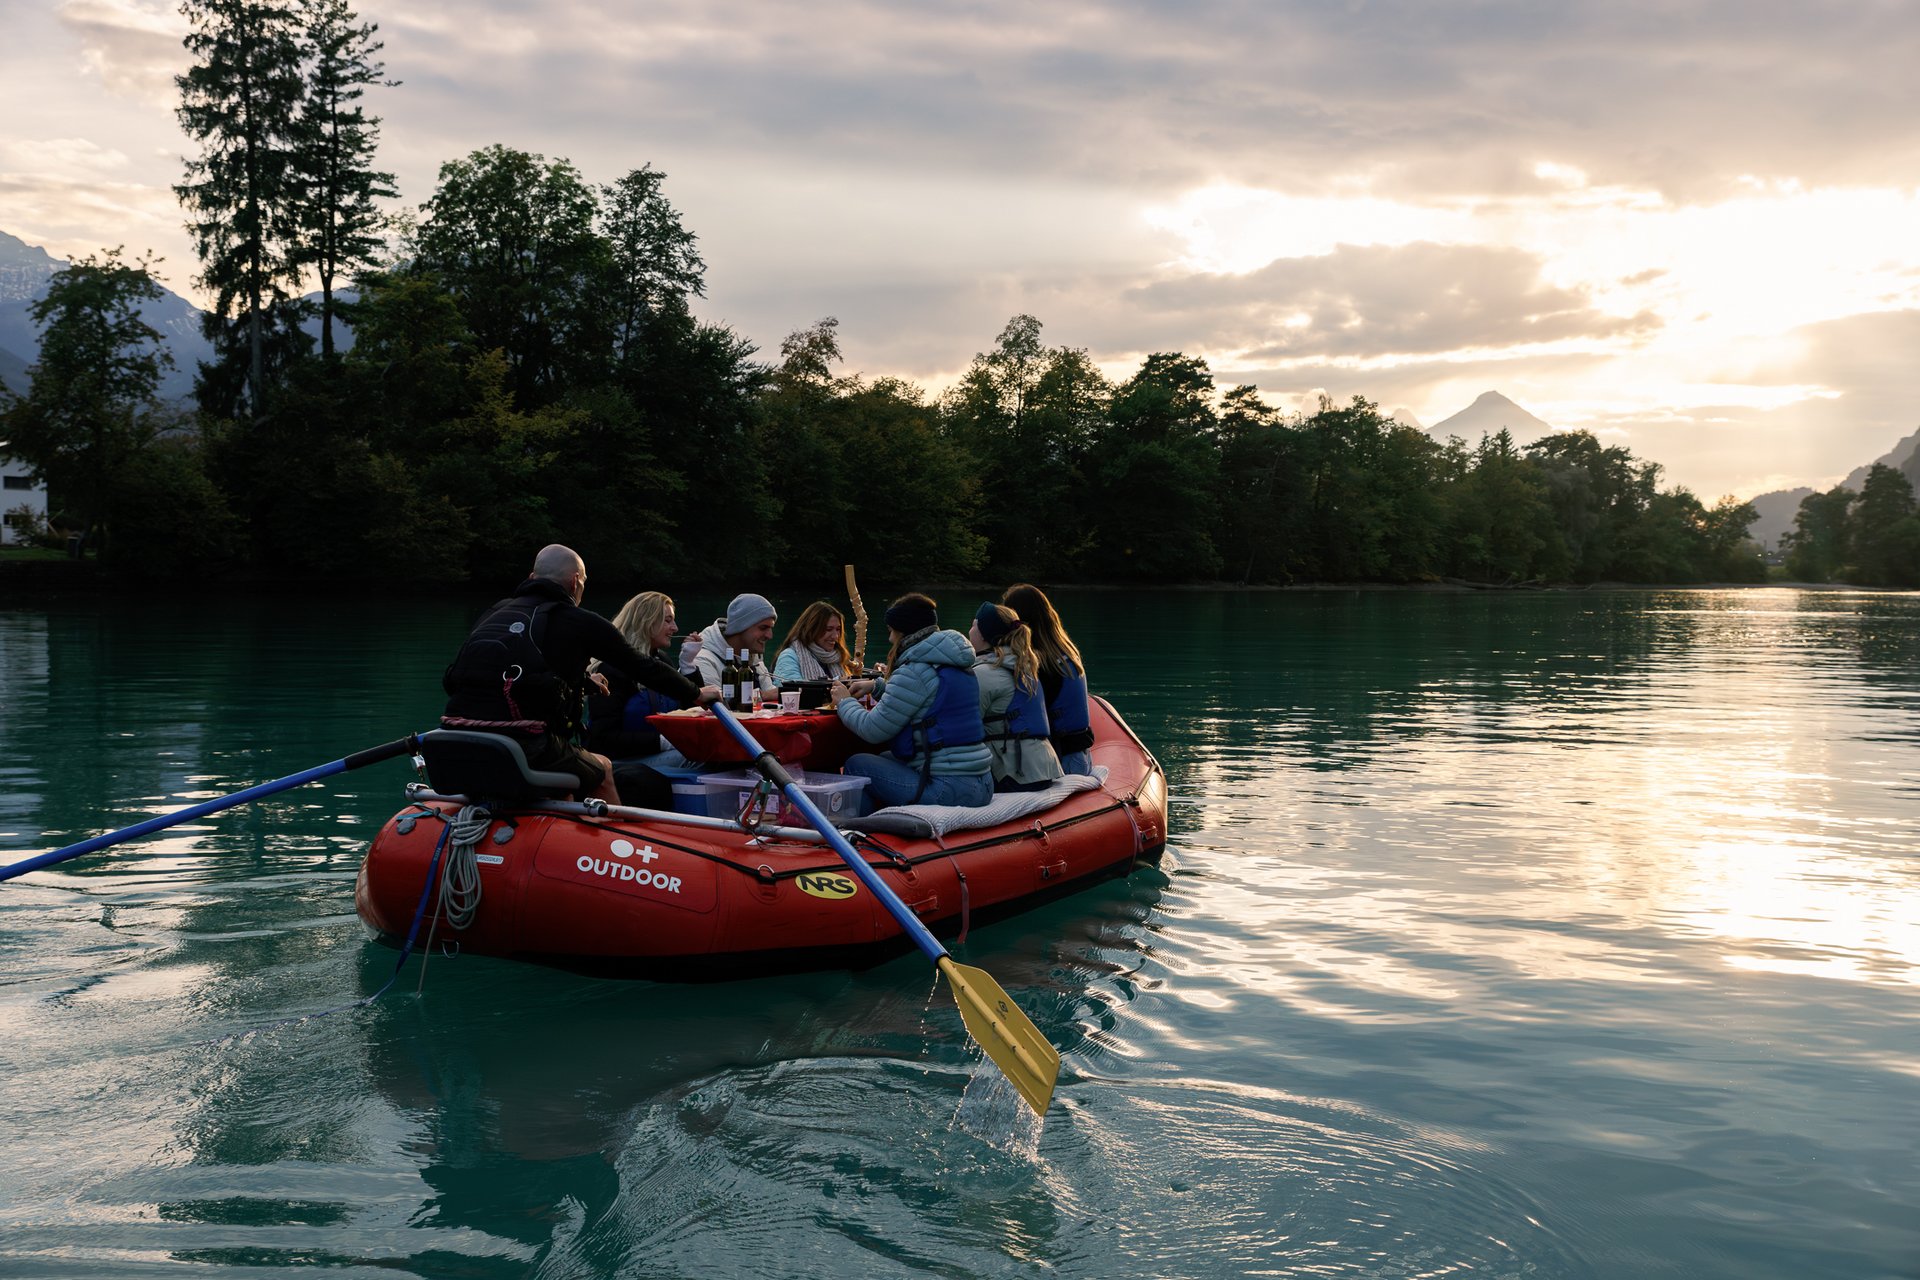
x=966, y=908
x=859, y=839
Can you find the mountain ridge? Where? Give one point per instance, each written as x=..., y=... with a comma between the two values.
x=1777, y=507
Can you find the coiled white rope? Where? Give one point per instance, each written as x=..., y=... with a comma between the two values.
x=460, y=881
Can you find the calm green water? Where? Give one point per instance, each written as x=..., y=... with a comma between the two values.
x=1570, y=935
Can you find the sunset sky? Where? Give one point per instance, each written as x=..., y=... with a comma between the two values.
x=1691, y=228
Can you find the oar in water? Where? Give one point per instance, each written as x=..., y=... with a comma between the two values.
x=372, y=755
x=992, y=1018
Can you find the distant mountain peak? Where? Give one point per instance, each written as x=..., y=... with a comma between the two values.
x=1492, y=412
x=15, y=251
x=24, y=269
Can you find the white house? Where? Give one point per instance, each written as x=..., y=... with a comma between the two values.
x=18, y=489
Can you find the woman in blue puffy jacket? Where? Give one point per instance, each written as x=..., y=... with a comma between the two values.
x=928, y=710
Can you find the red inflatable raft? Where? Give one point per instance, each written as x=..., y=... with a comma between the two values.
x=651, y=893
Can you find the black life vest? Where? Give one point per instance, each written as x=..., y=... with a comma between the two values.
x=500, y=680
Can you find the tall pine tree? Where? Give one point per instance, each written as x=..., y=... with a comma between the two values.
x=240, y=101
x=339, y=223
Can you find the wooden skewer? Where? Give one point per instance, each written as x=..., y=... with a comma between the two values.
x=859, y=624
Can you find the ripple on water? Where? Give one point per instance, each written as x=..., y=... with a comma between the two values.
x=831, y=1167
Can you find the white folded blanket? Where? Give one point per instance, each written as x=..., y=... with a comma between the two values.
x=940, y=819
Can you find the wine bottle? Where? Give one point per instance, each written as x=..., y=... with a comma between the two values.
x=748, y=686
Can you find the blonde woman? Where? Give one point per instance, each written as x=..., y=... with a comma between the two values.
x=1011, y=702
x=617, y=719
x=1063, y=676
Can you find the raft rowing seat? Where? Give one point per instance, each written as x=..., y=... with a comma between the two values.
x=488, y=768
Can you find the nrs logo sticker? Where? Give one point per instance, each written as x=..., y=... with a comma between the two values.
x=827, y=884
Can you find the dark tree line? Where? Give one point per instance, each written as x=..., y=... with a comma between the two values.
x=528, y=368
x=1871, y=538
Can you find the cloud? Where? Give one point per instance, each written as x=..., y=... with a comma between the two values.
x=1379, y=302
x=1415, y=98
x=61, y=159
x=132, y=46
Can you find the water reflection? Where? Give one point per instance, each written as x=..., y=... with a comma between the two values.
x=1559, y=934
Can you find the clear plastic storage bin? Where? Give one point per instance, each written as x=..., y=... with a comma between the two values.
x=728, y=793
x=838, y=795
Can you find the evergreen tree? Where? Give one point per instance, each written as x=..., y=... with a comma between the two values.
x=93, y=403
x=240, y=101
x=1498, y=517
x=1818, y=544
x=339, y=223
x=1886, y=530
x=655, y=265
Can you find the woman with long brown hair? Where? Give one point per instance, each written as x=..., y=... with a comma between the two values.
x=1063, y=676
x=816, y=647
x=1011, y=705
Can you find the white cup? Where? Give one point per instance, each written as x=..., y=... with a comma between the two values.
x=789, y=700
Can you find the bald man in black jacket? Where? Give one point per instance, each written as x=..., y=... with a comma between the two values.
x=523, y=671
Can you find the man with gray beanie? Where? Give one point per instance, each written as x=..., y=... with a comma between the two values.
x=748, y=625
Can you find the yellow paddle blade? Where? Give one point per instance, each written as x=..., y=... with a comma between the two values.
x=1008, y=1035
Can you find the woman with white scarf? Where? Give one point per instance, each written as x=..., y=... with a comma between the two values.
x=816, y=648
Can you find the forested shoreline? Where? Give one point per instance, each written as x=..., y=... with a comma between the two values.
x=521, y=363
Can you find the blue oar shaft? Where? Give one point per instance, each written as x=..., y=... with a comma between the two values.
x=95, y=843
x=921, y=935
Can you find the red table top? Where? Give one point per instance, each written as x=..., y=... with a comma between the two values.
x=811, y=739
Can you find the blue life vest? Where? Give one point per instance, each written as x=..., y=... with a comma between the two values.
x=1024, y=717
x=647, y=702
x=952, y=721
x=1068, y=713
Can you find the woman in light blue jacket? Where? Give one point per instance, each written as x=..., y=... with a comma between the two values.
x=816, y=648
x=929, y=710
